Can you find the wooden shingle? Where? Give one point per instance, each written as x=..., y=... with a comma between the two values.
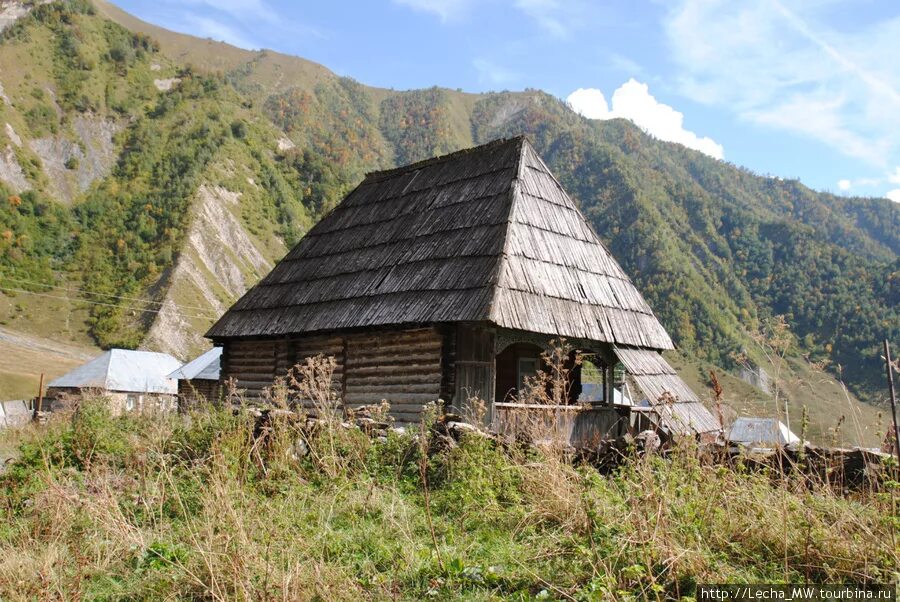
x=481, y=235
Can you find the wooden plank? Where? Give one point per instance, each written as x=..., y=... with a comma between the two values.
x=397, y=398
x=253, y=384
x=395, y=387
x=398, y=349
x=254, y=360
x=388, y=378
x=385, y=366
x=537, y=406
x=408, y=335
x=419, y=363
x=265, y=371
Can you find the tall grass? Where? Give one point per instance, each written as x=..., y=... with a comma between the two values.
x=211, y=505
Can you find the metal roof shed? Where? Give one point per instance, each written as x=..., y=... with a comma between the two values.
x=125, y=371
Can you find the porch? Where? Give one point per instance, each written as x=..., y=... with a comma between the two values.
x=582, y=427
x=582, y=394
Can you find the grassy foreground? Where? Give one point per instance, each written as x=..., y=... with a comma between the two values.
x=202, y=507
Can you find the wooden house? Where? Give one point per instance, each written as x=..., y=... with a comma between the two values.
x=446, y=279
x=198, y=380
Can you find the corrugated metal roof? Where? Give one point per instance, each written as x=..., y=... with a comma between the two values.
x=486, y=234
x=123, y=370
x=202, y=367
x=761, y=431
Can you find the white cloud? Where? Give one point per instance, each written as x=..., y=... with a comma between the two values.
x=894, y=177
x=633, y=101
x=625, y=64
x=230, y=20
x=589, y=102
x=492, y=73
x=239, y=9
x=870, y=182
x=447, y=10
x=546, y=13
x=206, y=27
x=779, y=66
x=556, y=17
x=822, y=120
x=236, y=22
x=893, y=195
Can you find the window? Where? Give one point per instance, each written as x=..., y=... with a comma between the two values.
x=528, y=368
x=131, y=402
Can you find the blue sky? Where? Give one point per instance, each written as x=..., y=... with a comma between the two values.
x=791, y=88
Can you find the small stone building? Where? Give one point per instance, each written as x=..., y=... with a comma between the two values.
x=131, y=380
x=446, y=279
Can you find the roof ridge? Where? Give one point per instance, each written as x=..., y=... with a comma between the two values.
x=378, y=175
x=514, y=191
x=107, y=356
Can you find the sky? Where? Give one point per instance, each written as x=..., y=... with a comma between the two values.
x=806, y=89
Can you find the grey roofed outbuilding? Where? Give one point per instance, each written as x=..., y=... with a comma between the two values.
x=761, y=431
x=204, y=367
x=482, y=235
x=123, y=370
x=17, y=412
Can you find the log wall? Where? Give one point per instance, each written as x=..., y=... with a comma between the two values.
x=403, y=367
x=197, y=390
x=300, y=348
x=252, y=364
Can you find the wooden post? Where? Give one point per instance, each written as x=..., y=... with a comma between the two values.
x=890, y=376
x=343, y=373
x=40, y=393
x=609, y=390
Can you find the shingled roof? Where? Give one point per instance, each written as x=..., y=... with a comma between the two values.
x=484, y=234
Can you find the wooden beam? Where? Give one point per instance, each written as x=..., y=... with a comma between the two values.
x=890, y=376
x=608, y=389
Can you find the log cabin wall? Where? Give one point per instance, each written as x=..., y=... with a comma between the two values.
x=252, y=364
x=329, y=345
x=402, y=366
x=448, y=364
x=193, y=391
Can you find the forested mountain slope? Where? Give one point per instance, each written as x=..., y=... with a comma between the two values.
x=158, y=175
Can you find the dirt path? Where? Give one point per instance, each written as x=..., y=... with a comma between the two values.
x=11, y=338
x=23, y=357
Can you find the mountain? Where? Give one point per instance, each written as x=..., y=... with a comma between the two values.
x=150, y=177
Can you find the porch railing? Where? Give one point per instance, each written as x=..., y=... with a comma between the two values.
x=582, y=426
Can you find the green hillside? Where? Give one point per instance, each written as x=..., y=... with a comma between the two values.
x=158, y=175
